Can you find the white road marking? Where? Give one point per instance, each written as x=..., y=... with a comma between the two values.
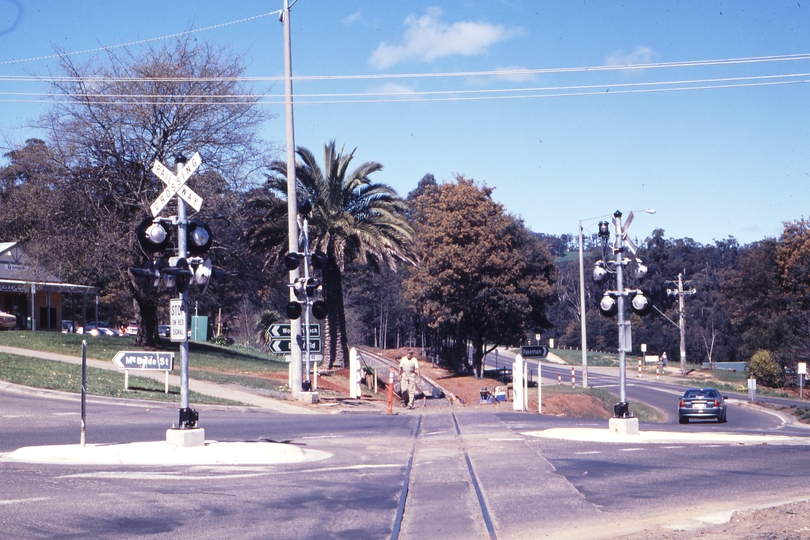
x=19, y=501
x=586, y=453
x=112, y=475
x=630, y=449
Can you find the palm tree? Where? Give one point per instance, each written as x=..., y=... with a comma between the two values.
x=351, y=218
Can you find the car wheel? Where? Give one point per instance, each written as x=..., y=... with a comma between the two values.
x=683, y=420
x=722, y=419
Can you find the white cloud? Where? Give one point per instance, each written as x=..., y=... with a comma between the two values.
x=428, y=38
x=354, y=17
x=641, y=55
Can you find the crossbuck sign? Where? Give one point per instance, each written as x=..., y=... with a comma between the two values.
x=176, y=184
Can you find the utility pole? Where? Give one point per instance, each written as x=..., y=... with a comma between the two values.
x=680, y=292
x=583, y=319
x=292, y=204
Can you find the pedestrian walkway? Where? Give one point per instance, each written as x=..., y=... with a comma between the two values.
x=202, y=387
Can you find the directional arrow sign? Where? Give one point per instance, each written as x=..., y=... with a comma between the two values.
x=283, y=331
x=534, y=351
x=158, y=361
x=175, y=184
x=284, y=346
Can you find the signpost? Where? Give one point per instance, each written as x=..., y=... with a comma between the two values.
x=281, y=338
x=144, y=360
x=534, y=351
x=284, y=331
x=150, y=360
x=284, y=346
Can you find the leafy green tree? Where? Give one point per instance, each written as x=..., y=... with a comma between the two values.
x=481, y=275
x=351, y=219
x=765, y=370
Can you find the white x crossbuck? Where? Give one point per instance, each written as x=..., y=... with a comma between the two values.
x=176, y=184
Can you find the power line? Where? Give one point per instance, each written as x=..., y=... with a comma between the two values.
x=413, y=97
x=139, y=42
x=492, y=73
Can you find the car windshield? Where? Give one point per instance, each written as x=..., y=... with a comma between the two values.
x=701, y=392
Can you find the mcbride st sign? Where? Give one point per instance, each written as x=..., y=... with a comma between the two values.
x=157, y=361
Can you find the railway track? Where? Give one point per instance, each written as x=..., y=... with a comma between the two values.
x=425, y=389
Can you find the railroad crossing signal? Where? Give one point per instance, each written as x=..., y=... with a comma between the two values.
x=176, y=184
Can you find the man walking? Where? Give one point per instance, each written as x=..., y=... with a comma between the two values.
x=408, y=376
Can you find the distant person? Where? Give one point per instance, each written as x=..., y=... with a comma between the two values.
x=408, y=375
x=664, y=358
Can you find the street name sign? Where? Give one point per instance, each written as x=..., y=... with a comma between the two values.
x=534, y=351
x=176, y=184
x=284, y=346
x=178, y=319
x=157, y=361
x=284, y=331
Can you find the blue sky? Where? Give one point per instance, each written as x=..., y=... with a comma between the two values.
x=486, y=89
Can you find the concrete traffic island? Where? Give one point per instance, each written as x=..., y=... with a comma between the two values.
x=185, y=438
x=663, y=437
x=623, y=426
x=162, y=453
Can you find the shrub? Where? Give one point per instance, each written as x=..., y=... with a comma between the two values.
x=765, y=370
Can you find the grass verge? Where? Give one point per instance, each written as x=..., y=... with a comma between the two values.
x=100, y=382
x=225, y=365
x=643, y=412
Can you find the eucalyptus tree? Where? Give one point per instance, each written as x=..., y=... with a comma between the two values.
x=482, y=276
x=352, y=218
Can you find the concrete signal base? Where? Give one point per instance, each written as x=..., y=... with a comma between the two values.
x=185, y=438
x=623, y=426
x=310, y=398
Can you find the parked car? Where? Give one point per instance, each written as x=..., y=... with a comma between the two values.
x=131, y=329
x=102, y=331
x=7, y=320
x=702, y=404
x=164, y=330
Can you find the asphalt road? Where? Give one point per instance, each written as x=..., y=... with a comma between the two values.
x=422, y=474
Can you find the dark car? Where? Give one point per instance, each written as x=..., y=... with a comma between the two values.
x=164, y=330
x=702, y=404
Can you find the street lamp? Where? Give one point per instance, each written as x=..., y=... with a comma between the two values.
x=601, y=272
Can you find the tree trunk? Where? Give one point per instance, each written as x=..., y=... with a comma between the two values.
x=337, y=341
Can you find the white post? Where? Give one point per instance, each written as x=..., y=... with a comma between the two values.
x=315, y=375
x=525, y=386
x=354, y=375
x=126, y=379
x=167, y=382
x=517, y=383
x=539, y=386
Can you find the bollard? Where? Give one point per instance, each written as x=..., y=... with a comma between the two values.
x=559, y=380
x=390, y=391
x=656, y=372
x=639, y=366
x=573, y=378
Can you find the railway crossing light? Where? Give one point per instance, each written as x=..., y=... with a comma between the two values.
x=153, y=236
x=199, y=237
x=641, y=304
